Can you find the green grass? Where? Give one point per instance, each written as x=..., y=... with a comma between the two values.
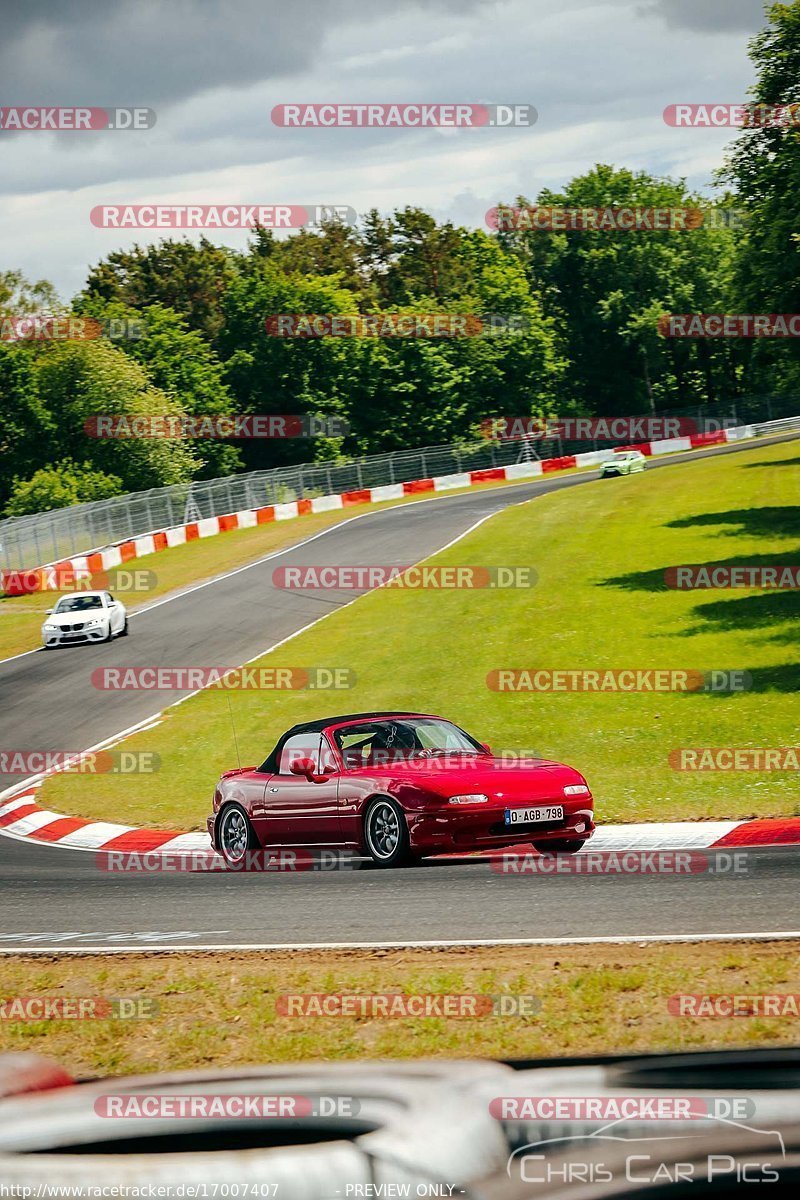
x=220, y=1010
x=600, y=552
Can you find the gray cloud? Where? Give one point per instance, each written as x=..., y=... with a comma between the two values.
x=709, y=16
x=155, y=52
x=599, y=77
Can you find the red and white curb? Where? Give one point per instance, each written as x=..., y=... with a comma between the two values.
x=65, y=572
x=22, y=818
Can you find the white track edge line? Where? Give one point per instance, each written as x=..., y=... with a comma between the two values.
x=751, y=443
x=438, y=944
x=154, y=718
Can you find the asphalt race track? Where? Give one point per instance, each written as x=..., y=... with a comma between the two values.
x=62, y=898
x=57, y=897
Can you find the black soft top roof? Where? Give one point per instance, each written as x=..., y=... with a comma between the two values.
x=322, y=723
x=271, y=763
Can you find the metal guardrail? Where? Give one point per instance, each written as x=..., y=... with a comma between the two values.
x=32, y=541
x=786, y=424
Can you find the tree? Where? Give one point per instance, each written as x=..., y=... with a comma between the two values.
x=606, y=290
x=58, y=487
x=764, y=167
x=190, y=278
x=18, y=295
x=81, y=380
x=27, y=428
x=273, y=375
x=408, y=255
x=332, y=250
x=180, y=362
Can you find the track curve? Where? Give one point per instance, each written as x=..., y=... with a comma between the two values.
x=55, y=897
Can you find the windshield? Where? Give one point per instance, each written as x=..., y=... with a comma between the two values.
x=372, y=743
x=78, y=604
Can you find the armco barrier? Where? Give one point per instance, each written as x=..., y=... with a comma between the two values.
x=56, y=576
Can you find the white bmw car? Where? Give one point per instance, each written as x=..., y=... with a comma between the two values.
x=84, y=617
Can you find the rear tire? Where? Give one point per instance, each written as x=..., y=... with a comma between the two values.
x=561, y=846
x=386, y=834
x=235, y=835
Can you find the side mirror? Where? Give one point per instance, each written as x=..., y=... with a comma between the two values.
x=48, y=611
x=306, y=766
x=487, y=749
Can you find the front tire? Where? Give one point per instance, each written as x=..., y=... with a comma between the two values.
x=124, y=631
x=235, y=835
x=560, y=846
x=386, y=834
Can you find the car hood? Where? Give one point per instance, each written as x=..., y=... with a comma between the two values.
x=74, y=618
x=531, y=779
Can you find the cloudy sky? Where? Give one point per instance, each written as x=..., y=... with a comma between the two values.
x=599, y=72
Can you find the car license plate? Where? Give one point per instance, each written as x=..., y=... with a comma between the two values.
x=526, y=816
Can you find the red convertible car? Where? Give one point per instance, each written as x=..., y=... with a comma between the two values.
x=397, y=786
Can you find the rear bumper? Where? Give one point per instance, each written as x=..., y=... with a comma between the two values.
x=444, y=831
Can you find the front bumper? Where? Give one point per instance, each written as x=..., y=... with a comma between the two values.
x=70, y=637
x=444, y=830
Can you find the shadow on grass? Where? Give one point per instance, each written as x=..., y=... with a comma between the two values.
x=780, y=462
x=782, y=678
x=774, y=521
x=655, y=580
x=750, y=612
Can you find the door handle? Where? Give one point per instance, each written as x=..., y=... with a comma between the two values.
x=274, y=789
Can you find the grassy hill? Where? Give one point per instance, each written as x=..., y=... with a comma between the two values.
x=600, y=552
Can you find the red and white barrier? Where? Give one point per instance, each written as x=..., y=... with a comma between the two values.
x=60, y=575
x=21, y=817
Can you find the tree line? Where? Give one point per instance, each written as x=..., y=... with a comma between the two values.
x=583, y=306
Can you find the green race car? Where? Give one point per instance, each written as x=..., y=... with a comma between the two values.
x=624, y=463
